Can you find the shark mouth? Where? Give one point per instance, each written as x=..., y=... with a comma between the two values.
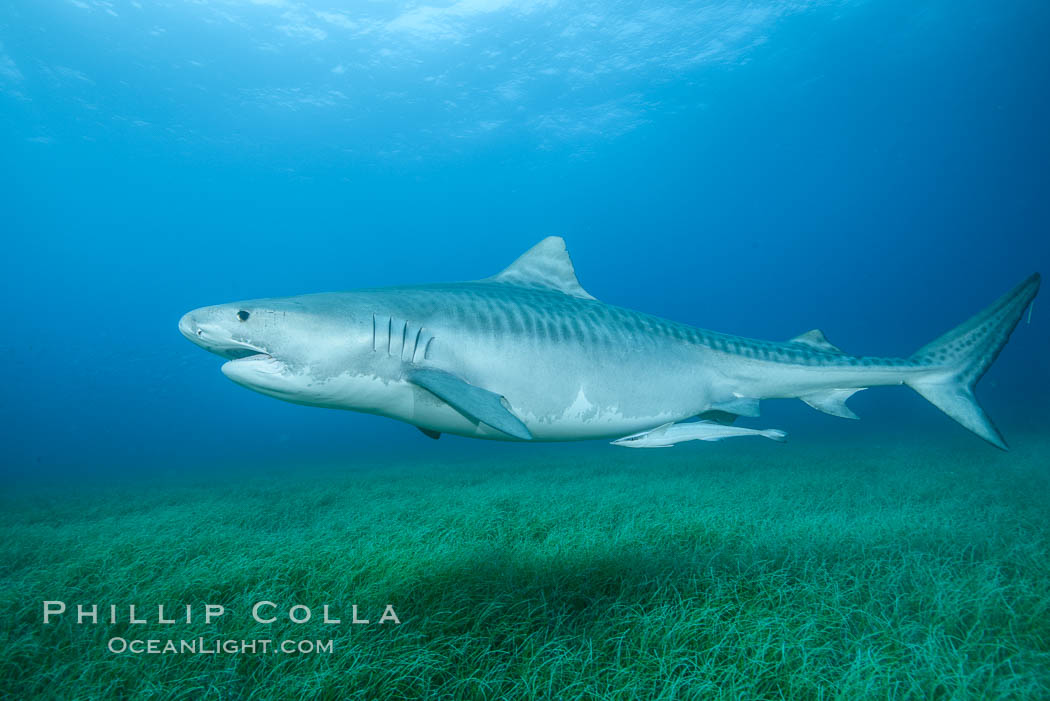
x=245, y=356
x=252, y=363
x=241, y=353
x=251, y=356
x=240, y=350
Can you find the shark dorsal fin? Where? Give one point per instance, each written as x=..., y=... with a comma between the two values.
x=816, y=339
x=546, y=265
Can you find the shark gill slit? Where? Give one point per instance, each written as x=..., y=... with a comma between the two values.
x=415, y=346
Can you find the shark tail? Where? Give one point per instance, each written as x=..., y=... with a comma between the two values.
x=959, y=358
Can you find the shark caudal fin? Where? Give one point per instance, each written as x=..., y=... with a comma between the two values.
x=959, y=358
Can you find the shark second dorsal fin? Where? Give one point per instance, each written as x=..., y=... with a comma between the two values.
x=546, y=265
x=816, y=339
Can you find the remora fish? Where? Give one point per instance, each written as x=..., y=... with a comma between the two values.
x=529, y=355
x=669, y=434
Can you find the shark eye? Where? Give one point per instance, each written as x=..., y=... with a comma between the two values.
x=243, y=315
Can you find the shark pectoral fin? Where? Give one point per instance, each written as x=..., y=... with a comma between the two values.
x=741, y=406
x=430, y=434
x=833, y=401
x=473, y=402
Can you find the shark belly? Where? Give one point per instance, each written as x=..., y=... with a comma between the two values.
x=566, y=388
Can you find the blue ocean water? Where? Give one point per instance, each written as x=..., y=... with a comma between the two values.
x=874, y=169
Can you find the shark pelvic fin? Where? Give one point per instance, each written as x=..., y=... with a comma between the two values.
x=473, y=402
x=430, y=434
x=816, y=339
x=741, y=406
x=719, y=417
x=546, y=265
x=833, y=401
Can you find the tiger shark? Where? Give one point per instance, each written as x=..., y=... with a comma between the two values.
x=528, y=355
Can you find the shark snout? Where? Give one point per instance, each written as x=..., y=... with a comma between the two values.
x=201, y=333
x=189, y=328
x=205, y=327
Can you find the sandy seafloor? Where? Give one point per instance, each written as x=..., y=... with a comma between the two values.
x=897, y=568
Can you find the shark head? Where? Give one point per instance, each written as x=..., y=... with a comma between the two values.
x=285, y=348
x=227, y=330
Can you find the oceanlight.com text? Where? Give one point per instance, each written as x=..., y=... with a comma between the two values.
x=202, y=646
